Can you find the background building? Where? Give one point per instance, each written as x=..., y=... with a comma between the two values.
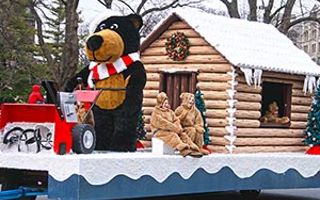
x=308, y=38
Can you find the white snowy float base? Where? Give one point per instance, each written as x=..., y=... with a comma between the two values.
x=100, y=168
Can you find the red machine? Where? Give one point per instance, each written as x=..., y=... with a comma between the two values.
x=69, y=134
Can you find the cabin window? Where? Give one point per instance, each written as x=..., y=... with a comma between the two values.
x=173, y=84
x=276, y=95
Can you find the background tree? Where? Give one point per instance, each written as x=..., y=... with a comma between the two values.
x=151, y=11
x=141, y=131
x=312, y=131
x=66, y=64
x=106, y=3
x=282, y=16
x=17, y=65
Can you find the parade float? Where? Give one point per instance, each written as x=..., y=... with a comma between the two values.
x=241, y=69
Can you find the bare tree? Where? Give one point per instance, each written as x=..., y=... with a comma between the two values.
x=232, y=8
x=148, y=8
x=62, y=69
x=70, y=52
x=106, y=3
x=281, y=17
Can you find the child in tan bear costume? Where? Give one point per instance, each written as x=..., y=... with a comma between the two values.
x=191, y=120
x=166, y=126
x=272, y=115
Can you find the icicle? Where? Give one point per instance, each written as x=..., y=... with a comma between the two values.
x=309, y=84
x=248, y=75
x=305, y=84
x=317, y=84
x=312, y=84
x=257, y=77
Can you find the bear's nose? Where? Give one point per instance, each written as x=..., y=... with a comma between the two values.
x=94, y=42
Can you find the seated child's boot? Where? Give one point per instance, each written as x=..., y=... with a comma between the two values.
x=204, y=151
x=182, y=146
x=185, y=152
x=196, y=154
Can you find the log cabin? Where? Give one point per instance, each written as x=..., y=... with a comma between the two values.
x=241, y=67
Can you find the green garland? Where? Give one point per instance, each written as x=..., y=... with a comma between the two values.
x=177, y=46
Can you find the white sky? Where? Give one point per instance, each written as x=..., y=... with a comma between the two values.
x=91, y=8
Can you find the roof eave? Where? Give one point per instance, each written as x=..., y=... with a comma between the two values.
x=160, y=30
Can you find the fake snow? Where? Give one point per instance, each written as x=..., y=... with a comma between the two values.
x=101, y=168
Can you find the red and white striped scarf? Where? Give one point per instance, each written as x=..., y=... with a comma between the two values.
x=100, y=71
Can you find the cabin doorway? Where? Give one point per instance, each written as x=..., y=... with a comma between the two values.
x=173, y=84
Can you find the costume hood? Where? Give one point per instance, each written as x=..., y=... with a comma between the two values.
x=185, y=98
x=161, y=97
x=36, y=88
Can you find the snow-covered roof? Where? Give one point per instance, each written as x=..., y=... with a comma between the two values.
x=248, y=44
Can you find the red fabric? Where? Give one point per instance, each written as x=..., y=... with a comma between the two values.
x=111, y=69
x=139, y=145
x=87, y=106
x=95, y=74
x=315, y=150
x=36, y=96
x=206, y=148
x=127, y=60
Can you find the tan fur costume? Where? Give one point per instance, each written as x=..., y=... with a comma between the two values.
x=271, y=115
x=166, y=126
x=191, y=120
x=83, y=116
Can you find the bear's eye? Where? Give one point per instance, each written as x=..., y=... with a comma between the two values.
x=102, y=26
x=114, y=26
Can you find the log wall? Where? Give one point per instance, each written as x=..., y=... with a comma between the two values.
x=251, y=138
x=212, y=76
x=214, y=79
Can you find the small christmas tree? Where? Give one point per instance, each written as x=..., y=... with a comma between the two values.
x=140, y=127
x=312, y=131
x=202, y=108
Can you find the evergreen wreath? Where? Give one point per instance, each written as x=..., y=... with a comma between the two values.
x=177, y=46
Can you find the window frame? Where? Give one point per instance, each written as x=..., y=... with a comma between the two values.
x=287, y=100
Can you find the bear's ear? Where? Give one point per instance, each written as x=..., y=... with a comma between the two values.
x=136, y=20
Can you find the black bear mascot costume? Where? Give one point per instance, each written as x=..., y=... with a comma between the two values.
x=115, y=67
